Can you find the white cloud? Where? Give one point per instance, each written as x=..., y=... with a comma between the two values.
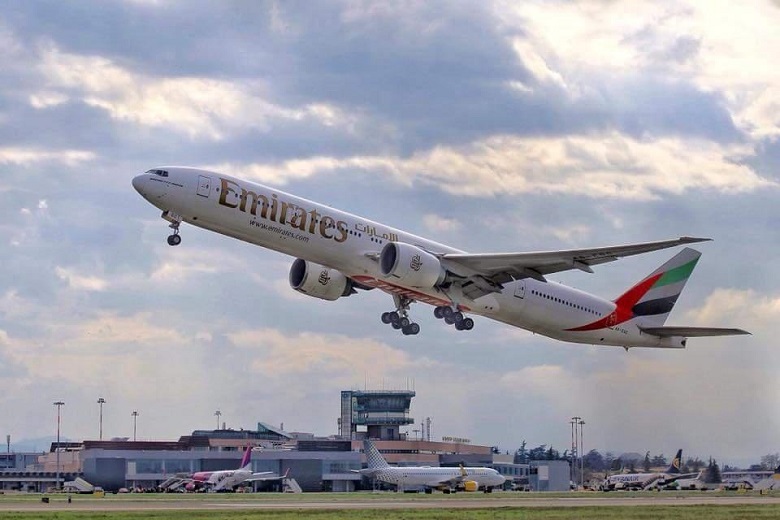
x=719, y=46
x=749, y=309
x=80, y=282
x=196, y=106
x=28, y=156
x=47, y=99
x=612, y=166
x=343, y=358
x=182, y=265
x=440, y=223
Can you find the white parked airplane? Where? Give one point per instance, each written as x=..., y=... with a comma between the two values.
x=428, y=477
x=338, y=253
x=228, y=479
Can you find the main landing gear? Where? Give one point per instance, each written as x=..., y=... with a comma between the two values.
x=175, y=220
x=453, y=317
x=399, y=319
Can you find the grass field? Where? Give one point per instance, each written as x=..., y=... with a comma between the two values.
x=373, y=506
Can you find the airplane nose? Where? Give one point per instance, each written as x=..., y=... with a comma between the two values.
x=138, y=183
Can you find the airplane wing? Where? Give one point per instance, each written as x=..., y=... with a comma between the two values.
x=450, y=481
x=507, y=266
x=444, y=481
x=263, y=475
x=368, y=472
x=483, y=273
x=692, y=332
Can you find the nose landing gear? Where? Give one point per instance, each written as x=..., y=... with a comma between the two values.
x=175, y=221
x=175, y=239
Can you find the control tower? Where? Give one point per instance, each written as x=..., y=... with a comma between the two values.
x=382, y=412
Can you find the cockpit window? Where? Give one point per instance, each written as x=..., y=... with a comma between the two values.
x=161, y=173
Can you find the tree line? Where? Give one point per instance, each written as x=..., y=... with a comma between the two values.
x=608, y=463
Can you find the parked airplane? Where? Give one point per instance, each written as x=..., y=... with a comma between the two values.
x=447, y=479
x=642, y=480
x=338, y=253
x=227, y=480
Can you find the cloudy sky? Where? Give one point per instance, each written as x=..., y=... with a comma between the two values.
x=490, y=126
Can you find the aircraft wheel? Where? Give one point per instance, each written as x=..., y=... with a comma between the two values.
x=458, y=317
x=447, y=312
x=437, y=312
x=414, y=328
x=405, y=331
x=458, y=325
x=394, y=318
x=174, y=240
x=396, y=325
x=449, y=320
x=405, y=322
x=386, y=318
x=467, y=324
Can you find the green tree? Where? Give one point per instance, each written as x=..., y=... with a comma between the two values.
x=659, y=461
x=521, y=455
x=770, y=462
x=610, y=461
x=646, y=464
x=694, y=464
x=712, y=475
x=594, y=461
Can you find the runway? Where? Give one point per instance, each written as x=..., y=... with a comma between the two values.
x=392, y=502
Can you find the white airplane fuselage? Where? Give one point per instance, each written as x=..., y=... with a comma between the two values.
x=412, y=477
x=222, y=479
x=350, y=244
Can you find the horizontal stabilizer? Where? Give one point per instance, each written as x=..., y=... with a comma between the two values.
x=692, y=332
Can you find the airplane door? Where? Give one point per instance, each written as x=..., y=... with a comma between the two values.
x=520, y=289
x=204, y=185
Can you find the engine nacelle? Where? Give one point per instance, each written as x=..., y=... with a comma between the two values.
x=470, y=485
x=319, y=281
x=411, y=265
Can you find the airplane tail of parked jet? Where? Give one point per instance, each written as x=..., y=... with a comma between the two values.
x=246, y=461
x=674, y=467
x=373, y=457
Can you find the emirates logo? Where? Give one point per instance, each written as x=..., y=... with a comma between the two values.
x=324, y=277
x=415, y=263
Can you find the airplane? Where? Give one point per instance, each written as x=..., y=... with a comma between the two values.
x=642, y=480
x=338, y=253
x=447, y=479
x=227, y=480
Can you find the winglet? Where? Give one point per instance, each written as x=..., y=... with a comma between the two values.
x=693, y=240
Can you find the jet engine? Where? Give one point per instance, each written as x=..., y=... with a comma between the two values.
x=470, y=485
x=411, y=265
x=319, y=281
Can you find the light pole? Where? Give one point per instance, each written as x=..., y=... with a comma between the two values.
x=582, y=457
x=101, y=402
x=59, y=405
x=575, y=421
x=135, y=421
x=218, y=414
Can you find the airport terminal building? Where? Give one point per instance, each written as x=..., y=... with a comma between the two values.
x=315, y=464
